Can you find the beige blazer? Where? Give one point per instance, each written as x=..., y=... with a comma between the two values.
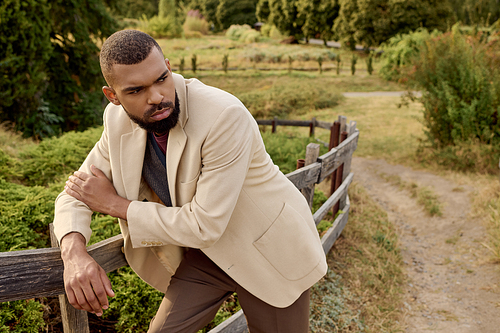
x=229, y=199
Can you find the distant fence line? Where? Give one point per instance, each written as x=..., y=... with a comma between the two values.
x=39, y=273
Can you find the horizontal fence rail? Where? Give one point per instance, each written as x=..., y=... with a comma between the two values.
x=28, y=274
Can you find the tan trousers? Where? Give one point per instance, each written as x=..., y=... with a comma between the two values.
x=198, y=289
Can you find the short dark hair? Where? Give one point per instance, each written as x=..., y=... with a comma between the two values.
x=125, y=47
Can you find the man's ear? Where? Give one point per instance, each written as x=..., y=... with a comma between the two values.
x=110, y=95
x=167, y=62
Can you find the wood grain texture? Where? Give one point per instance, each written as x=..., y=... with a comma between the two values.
x=234, y=324
x=39, y=273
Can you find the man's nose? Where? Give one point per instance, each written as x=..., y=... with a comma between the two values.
x=155, y=96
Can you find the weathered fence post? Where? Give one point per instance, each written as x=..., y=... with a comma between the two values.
x=312, y=154
x=73, y=320
x=312, y=126
x=274, y=123
x=334, y=142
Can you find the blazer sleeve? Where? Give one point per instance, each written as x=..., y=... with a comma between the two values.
x=226, y=156
x=72, y=215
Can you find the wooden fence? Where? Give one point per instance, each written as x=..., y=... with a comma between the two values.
x=39, y=273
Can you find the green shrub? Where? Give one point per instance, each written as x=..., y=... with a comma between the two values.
x=55, y=158
x=159, y=27
x=21, y=317
x=285, y=149
x=400, y=51
x=280, y=101
x=235, y=31
x=250, y=36
x=194, y=23
x=460, y=79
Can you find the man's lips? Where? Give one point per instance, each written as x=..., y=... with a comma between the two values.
x=161, y=114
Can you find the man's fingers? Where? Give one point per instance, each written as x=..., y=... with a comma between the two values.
x=72, y=299
x=107, y=284
x=97, y=172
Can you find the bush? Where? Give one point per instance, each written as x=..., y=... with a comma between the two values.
x=285, y=149
x=56, y=158
x=400, y=51
x=250, y=36
x=195, y=23
x=235, y=31
x=159, y=27
x=460, y=79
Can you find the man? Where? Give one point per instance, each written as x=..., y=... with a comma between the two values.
x=202, y=209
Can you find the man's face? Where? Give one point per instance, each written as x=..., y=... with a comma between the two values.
x=146, y=92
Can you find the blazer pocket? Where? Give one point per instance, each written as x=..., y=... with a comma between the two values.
x=290, y=245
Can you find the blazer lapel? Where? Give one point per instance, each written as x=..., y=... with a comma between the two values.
x=132, y=148
x=177, y=138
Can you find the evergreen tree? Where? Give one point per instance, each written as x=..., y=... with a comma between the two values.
x=372, y=22
x=231, y=12
x=53, y=47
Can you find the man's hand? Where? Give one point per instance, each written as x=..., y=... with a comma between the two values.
x=97, y=192
x=85, y=282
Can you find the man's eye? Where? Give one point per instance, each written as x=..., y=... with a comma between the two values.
x=134, y=92
x=162, y=79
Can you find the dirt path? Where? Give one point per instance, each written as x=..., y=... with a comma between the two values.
x=451, y=286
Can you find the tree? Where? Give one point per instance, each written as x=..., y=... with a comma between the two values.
x=25, y=48
x=231, y=12
x=372, y=22
x=133, y=8
x=53, y=46
x=318, y=17
x=283, y=14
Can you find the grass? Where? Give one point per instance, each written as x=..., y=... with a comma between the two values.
x=425, y=196
x=368, y=259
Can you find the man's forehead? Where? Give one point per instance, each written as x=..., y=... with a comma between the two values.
x=143, y=73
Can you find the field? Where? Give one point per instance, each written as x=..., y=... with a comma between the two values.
x=357, y=294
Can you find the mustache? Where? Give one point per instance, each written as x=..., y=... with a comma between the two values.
x=160, y=106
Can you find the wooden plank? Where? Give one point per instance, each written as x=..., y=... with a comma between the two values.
x=39, y=273
x=312, y=154
x=335, y=157
x=264, y=121
x=332, y=200
x=323, y=124
x=305, y=176
x=234, y=324
x=335, y=230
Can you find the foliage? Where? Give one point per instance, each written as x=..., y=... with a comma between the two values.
x=49, y=64
x=282, y=14
x=56, y=158
x=133, y=8
x=21, y=317
x=369, y=63
x=476, y=12
x=280, y=101
x=460, y=80
x=354, y=60
x=285, y=149
x=159, y=27
x=235, y=31
x=400, y=50
x=22, y=61
x=231, y=12
x=318, y=16
x=195, y=22
x=372, y=22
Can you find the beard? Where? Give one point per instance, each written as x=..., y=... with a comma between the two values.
x=160, y=126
